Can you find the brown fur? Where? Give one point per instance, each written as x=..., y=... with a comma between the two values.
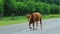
x=34, y=17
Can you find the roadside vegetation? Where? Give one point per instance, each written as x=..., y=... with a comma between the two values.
x=14, y=11
x=23, y=19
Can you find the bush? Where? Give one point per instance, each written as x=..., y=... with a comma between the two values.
x=8, y=7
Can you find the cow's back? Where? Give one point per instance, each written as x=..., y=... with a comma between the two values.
x=37, y=16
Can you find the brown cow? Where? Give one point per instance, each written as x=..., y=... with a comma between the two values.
x=34, y=17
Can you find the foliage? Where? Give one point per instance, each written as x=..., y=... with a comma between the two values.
x=22, y=7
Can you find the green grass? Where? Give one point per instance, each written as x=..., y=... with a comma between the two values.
x=23, y=19
x=8, y=20
x=51, y=16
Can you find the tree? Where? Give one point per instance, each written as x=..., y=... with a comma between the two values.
x=1, y=8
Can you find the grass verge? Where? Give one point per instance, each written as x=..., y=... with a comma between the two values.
x=22, y=19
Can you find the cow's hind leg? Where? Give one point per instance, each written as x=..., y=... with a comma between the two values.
x=41, y=22
x=36, y=25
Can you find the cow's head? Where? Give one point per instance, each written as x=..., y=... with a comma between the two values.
x=28, y=17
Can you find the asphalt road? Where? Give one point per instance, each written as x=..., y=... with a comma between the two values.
x=50, y=26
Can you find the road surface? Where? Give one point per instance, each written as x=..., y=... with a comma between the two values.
x=50, y=26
